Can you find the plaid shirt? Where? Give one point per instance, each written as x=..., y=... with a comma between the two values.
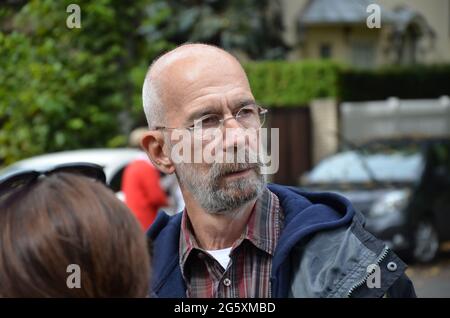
x=249, y=269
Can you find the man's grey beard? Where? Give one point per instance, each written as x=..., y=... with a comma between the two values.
x=213, y=193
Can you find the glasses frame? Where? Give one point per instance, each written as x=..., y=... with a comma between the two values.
x=192, y=128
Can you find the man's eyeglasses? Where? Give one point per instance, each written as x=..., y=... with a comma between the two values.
x=19, y=179
x=250, y=116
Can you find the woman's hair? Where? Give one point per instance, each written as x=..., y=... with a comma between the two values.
x=64, y=222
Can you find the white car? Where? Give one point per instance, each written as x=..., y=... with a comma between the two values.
x=113, y=162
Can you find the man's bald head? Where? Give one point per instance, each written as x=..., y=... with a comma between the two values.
x=192, y=84
x=168, y=76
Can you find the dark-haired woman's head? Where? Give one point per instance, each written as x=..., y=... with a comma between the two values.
x=66, y=235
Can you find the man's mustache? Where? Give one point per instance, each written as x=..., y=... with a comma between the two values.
x=222, y=169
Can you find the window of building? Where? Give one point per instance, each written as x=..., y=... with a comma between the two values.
x=363, y=54
x=325, y=51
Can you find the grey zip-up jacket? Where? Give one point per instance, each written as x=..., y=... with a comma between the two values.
x=323, y=251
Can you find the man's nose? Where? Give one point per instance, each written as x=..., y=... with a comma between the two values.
x=231, y=122
x=233, y=133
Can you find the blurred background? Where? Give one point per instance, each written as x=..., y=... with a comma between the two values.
x=363, y=107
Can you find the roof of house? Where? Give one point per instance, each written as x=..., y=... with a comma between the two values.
x=339, y=11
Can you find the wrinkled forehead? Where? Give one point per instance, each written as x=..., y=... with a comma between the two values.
x=196, y=57
x=184, y=78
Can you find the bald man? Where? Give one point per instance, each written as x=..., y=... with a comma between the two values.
x=238, y=236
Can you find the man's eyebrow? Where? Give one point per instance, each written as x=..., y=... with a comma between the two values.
x=201, y=112
x=216, y=109
x=244, y=102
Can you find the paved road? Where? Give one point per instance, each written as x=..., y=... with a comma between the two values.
x=432, y=280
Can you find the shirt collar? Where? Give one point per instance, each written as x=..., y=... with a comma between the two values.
x=264, y=224
x=262, y=230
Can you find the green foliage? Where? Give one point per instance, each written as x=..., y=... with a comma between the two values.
x=411, y=82
x=66, y=88
x=276, y=83
x=252, y=27
x=286, y=84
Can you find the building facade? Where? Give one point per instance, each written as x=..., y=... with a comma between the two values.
x=411, y=31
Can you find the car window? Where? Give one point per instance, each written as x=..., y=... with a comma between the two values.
x=440, y=157
x=349, y=166
x=116, y=181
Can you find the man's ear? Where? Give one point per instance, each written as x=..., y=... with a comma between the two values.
x=153, y=144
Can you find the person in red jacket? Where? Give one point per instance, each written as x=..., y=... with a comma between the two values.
x=142, y=189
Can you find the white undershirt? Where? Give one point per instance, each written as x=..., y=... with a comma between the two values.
x=222, y=256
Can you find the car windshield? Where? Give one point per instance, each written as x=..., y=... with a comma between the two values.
x=385, y=165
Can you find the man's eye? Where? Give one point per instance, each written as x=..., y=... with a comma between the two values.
x=248, y=111
x=209, y=121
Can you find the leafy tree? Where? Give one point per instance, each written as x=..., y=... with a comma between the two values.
x=66, y=88
x=251, y=27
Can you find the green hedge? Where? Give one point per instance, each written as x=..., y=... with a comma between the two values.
x=278, y=83
x=290, y=84
x=403, y=82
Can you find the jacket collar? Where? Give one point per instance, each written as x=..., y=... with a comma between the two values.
x=305, y=213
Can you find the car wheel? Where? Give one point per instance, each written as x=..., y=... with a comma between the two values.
x=426, y=242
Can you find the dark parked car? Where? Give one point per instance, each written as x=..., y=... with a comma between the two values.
x=402, y=187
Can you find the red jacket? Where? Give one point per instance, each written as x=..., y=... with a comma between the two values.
x=142, y=190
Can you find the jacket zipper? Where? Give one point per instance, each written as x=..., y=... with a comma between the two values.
x=361, y=282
